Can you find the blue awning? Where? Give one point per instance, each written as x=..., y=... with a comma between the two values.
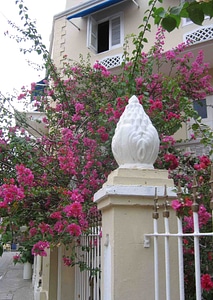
x=87, y=9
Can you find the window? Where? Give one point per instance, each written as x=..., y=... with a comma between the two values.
x=201, y=108
x=105, y=34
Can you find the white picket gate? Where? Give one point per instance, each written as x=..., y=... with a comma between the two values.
x=180, y=235
x=88, y=281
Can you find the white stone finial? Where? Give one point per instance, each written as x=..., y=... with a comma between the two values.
x=135, y=142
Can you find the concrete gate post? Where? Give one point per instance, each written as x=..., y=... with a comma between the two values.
x=126, y=203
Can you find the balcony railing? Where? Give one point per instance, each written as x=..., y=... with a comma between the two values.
x=199, y=35
x=194, y=146
x=111, y=61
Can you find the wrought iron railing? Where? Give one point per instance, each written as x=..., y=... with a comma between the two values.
x=196, y=235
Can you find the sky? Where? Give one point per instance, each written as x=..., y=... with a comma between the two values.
x=15, y=71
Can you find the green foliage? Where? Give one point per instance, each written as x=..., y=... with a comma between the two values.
x=195, y=11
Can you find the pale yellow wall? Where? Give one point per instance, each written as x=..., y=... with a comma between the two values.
x=181, y=133
x=72, y=42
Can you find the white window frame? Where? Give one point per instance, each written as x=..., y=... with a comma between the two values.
x=91, y=23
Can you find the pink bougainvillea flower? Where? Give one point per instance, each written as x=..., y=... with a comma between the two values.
x=73, y=210
x=44, y=228
x=16, y=258
x=39, y=248
x=206, y=282
x=172, y=160
x=33, y=231
x=74, y=229
x=176, y=205
x=25, y=176
x=10, y=193
x=56, y=215
x=67, y=261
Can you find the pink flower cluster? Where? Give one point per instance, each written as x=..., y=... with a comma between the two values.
x=67, y=160
x=179, y=206
x=203, y=215
x=171, y=160
x=67, y=261
x=10, y=193
x=206, y=282
x=100, y=67
x=25, y=176
x=73, y=210
x=204, y=162
x=103, y=134
x=39, y=248
x=74, y=229
x=16, y=258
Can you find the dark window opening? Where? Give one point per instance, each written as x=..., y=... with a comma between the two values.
x=201, y=108
x=103, y=37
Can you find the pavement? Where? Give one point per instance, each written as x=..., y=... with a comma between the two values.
x=12, y=284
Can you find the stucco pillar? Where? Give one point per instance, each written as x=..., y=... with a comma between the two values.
x=66, y=276
x=126, y=203
x=44, y=290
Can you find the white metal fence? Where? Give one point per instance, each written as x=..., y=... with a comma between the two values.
x=87, y=273
x=180, y=235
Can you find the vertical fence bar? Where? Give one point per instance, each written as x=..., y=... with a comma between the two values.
x=180, y=248
x=99, y=265
x=155, y=216
x=180, y=259
x=197, y=256
x=167, y=260
x=166, y=240
x=86, y=273
x=195, y=209
x=155, y=223
x=76, y=278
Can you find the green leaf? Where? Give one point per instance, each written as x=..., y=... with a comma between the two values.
x=169, y=23
x=196, y=13
x=208, y=8
x=195, y=126
x=160, y=12
x=157, y=20
x=176, y=10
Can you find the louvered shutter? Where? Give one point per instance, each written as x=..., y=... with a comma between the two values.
x=115, y=31
x=92, y=39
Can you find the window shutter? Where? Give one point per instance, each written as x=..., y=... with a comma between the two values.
x=115, y=31
x=92, y=38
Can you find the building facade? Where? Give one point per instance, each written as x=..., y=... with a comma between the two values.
x=99, y=28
